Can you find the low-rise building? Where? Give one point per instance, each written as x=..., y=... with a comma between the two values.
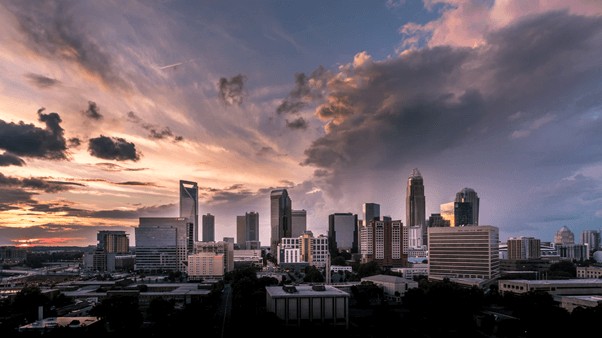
x=589, y=272
x=553, y=287
x=393, y=287
x=306, y=303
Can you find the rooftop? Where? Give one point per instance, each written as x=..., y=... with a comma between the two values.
x=305, y=291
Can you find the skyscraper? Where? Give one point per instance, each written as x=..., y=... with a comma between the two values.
x=415, y=205
x=208, y=228
x=523, y=248
x=163, y=244
x=342, y=233
x=371, y=211
x=111, y=241
x=382, y=243
x=189, y=205
x=564, y=236
x=247, y=229
x=298, y=222
x=280, y=217
x=591, y=238
x=467, y=195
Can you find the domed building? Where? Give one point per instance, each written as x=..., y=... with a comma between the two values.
x=564, y=236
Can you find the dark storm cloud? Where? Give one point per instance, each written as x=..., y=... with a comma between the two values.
x=307, y=89
x=298, y=123
x=36, y=183
x=113, y=148
x=74, y=142
x=8, y=159
x=41, y=81
x=55, y=234
x=116, y=167
x=155, y=132
x=231, y=91
x=93, y=112
x=10, y=196
x=164, y=210
x=379, y=114
x=54, y=30
x=27, y=140
x=136, y=183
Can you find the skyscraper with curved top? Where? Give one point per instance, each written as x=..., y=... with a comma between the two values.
x=280, y=218
x=466, y=207
x=189, y=206
x=415, y=204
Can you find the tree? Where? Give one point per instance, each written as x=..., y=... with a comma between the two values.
x=368, y=269
x=28, y=300
x=313, y=275
x=160, y=311
x=121, y=312
x=562, y=270
x=338, y=260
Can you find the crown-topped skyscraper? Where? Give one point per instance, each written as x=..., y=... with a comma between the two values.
x=415, y=204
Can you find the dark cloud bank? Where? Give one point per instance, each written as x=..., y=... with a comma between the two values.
x=113, y=148
x=231, y=91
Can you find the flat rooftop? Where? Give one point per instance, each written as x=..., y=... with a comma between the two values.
x=576, y=281
x=305, y=291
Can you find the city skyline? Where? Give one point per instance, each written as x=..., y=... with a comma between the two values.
x=105, y=107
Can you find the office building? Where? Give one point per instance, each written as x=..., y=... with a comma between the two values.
x=464, y=252
x=522, y=248
x=466, y=208
x=415, y=207
x=572, y=252
x=301, y=304
x=564, y=236
x=189, y=206
x=304, y=249
x=447, y=212
x=298, y=222
x=205, y=265
x=382, y=242
x=116, y=242
x=163, y=243
x=280, y=217
x=342, y=233
x=247, y=230
x=436, y=220
x=371, y=211
x=208, y=228
x=224, y=248
x=591, y=238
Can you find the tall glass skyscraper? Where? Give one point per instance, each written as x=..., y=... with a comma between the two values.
x=415, y=204
x=371, y=212
x=466, y=207
x=208, y=228
x=280, y=218
x=189, y=206
x=247, y=229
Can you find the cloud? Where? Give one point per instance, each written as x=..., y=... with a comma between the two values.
x=41, y=81
x=113, y=148
x=93, y=112
x=164, y=210
x=231, y=91
x=30, y=141
x=8, y=159
x=136, y=183
x=298, y=123
x=307, y=89
x=52, y=30
x=52, y=234
x=268, y=151
x=155, y=131
x=35, y=183
x=116, y=167
x=74, y=142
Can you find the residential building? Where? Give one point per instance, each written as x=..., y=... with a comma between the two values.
x=464, y=252
x=521, y=248
x=382, y=243
x=305, y=248
x=111, y=241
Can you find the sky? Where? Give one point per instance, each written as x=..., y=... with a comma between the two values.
x=106, y=105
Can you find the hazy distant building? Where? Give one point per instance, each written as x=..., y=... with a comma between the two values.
x=564, y=236
x=447, y=212
x=591, y=238
x=226, y=249
x=382, y=242
x=342, y=232
x=189, y=206
x=466, y=208
x=298, y=222
x=464, y=252
x=208, y=228
x=578, y=252
x=280, y=217
x=437, y=221
x=305, y=248
x=163, y=243
x=111, y=241
x=12, y=255
x=371, y=211
x=415, y=207
x=521, y=248
x=247, y=229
